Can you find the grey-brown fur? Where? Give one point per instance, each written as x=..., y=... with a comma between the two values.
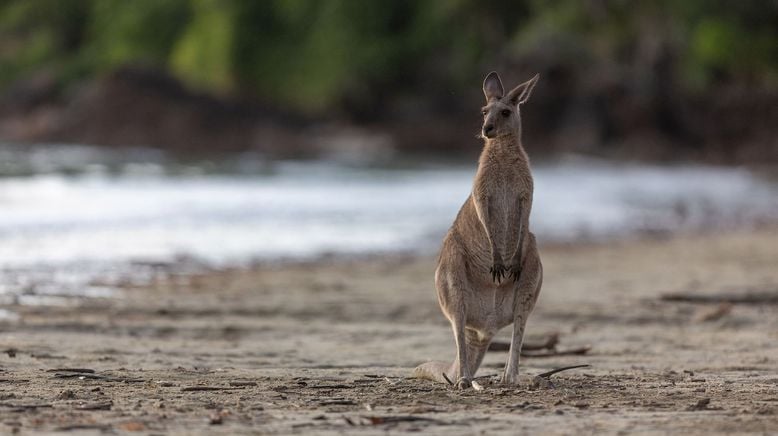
x=489, y=272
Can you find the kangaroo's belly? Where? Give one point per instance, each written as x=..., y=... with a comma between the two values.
x=490, y=309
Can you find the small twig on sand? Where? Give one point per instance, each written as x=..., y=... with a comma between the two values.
x=337, y=403
x=548, y=374
x=702, y=404
x=79, y=375
x=567, y=352
x=72, y=427
x=718, y=312
x=125, y=380
x=208, y=388
x=756, y=297
x=26, y=406
x=447, y=379
x=90, y=376
x=330, y=386
x=378, y=420
x=48, y=356
x=79, y=370
x=106, y=405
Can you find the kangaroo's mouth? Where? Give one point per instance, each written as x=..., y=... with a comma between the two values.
x=488, y=133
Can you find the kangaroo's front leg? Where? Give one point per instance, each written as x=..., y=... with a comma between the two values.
x=511, y=373
x=522, y=219
x=484, y=207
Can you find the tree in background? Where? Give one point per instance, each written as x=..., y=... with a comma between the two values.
x=631, y=65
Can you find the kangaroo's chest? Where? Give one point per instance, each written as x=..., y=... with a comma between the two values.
x=505, y=192
x=505, y=195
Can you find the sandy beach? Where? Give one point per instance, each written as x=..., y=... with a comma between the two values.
x=325, y=347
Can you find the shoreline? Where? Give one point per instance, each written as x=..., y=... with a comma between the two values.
x=187, y=269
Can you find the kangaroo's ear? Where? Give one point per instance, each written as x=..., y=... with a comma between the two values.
x=493, y=86
x=520, y=94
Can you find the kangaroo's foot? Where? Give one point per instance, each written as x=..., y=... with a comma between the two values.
x=464, y=383
x=509, y=379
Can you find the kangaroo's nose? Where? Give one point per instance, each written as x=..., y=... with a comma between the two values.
x=488, y=130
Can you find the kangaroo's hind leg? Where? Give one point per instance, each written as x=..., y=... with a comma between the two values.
x=452, y=288
x=445, y=372
x=477, y=344
x=527, y=291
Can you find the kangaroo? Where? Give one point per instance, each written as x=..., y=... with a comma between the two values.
x=478, y=291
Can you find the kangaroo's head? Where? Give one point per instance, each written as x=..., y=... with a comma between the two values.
x=502, y=117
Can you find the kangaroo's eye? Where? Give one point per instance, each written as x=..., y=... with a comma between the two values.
x=484, y=112
x=506, y=112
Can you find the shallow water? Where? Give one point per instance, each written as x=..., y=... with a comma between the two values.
x=111, y=218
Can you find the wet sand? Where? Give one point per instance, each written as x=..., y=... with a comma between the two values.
x=325, y=347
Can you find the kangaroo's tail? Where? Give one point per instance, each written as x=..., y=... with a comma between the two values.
x=435, y=371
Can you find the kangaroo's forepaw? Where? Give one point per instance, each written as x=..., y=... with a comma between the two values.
x=464, y=383
x=498, y=272
x=515, y=273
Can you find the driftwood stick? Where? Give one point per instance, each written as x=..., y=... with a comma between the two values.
x=548, y=374
x=85, y=375
x=330, y=386
x=104, y=405
x=26, y=406
x=72, y=427
x=568, y=352
x=378, y=420
x=209, y=388
x=337, y=403
x=78, y=370
x=756, y=297
x=90, y=376
x=242, y=383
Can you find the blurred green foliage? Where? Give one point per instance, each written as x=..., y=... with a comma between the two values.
x=315, y=55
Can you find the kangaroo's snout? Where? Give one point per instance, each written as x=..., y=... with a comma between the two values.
x=488, y=130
